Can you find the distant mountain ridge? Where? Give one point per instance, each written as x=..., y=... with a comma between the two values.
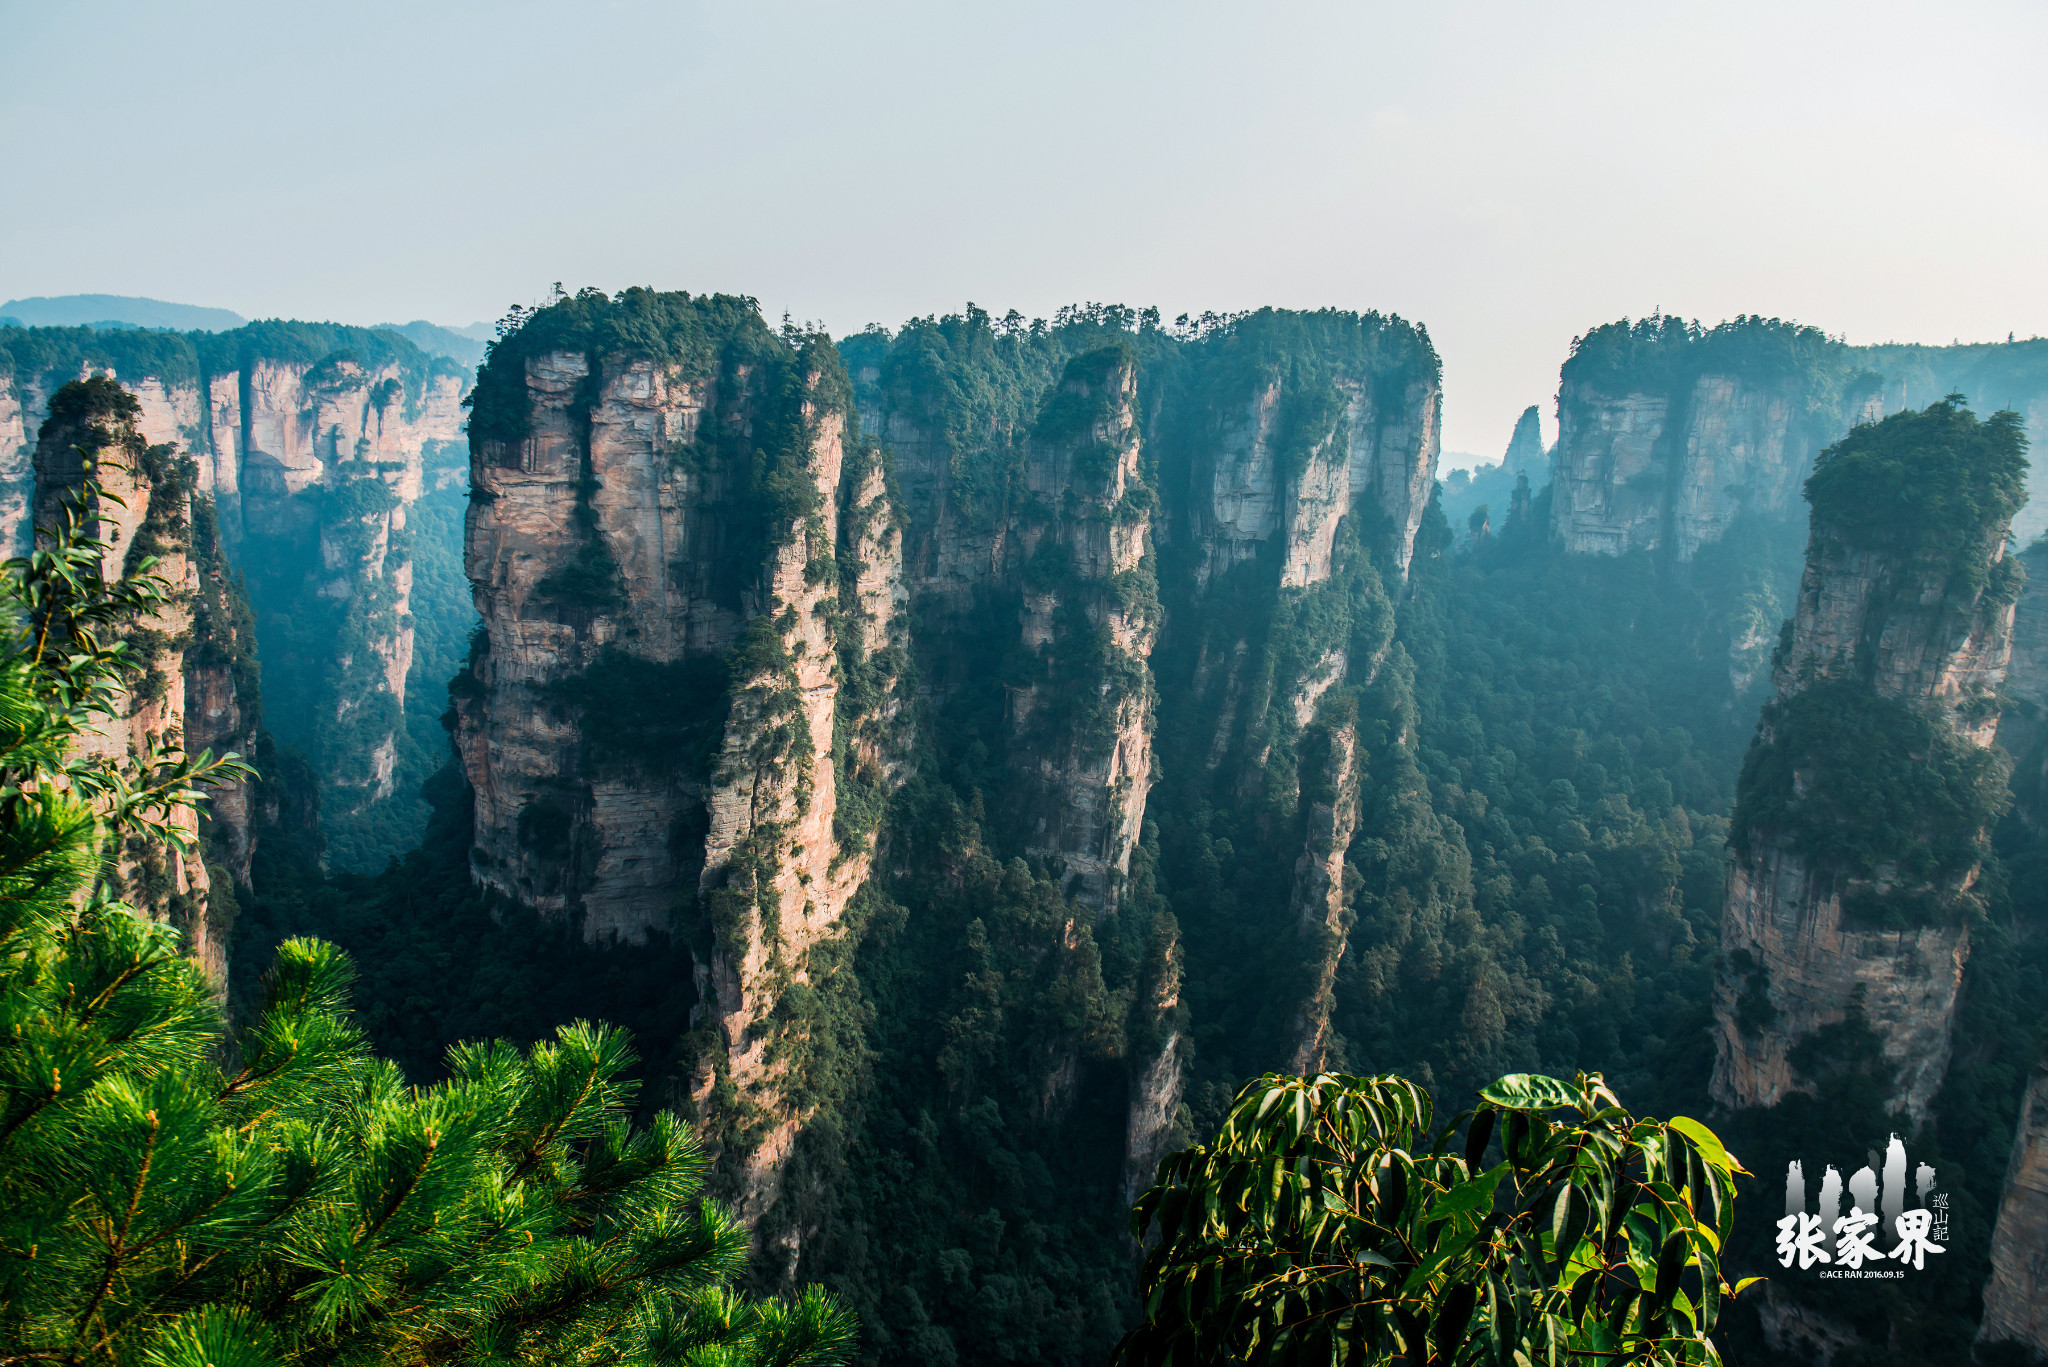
x=82, y=310
x=109, y=311
x=465, y=345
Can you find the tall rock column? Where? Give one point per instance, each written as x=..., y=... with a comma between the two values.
x=690, y=582
x=1083, y=713
x=1865, y=802
x=190, y=678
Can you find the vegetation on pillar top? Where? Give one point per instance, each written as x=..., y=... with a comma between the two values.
x=1857, y=782
x=53, y=355
x=1937, y=484
x=694, y=336
x=1663, y=354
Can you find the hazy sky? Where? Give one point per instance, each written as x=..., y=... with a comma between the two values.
x=1508, y=174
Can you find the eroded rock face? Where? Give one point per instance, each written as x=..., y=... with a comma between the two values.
x=2016, y=1297
x=2023, y=720
x=1002, y=523
x=1648, y=470
x=1907, y=628
x=1809, y=969
x=1373, y=459
x=1084, y=717
x=192, y=687
x=654, y=726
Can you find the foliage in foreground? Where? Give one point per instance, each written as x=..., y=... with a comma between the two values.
x=1327, y=1224
x=169, y=1202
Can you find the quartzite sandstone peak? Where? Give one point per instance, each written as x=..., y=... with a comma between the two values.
x=703, y=577
x=1907, y=603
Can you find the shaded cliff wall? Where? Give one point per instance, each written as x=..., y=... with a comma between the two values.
x=1250, y=481
x=1668, y=432
x=2016, y=1297
x=1309, y=449
x=193, y=685
x=1865, y=804
x=316, y=445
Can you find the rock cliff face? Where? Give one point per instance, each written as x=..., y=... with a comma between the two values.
x=1849, y=902
x=2016, y=1297
x=681, y=702
x=708, y=562
x=1668, y=433
x=2023, y=718
x=1082, y=712
x=192, y=688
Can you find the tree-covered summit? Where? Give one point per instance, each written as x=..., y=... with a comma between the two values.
x=1937, y=482
x=692, y=334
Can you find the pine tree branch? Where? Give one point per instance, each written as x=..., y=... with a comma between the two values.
x=116, y=1252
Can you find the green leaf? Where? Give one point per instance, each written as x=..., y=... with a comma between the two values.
x=1705, y=1140
x=1475, y=1193
x=1530, y=1092
x=1476, y=1136
x=1451, y=1322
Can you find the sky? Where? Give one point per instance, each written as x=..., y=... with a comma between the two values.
x=1508, y=175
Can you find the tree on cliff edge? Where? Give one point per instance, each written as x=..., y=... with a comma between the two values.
x=171, y=1199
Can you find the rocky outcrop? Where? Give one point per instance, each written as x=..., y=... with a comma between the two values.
x=1525, y=448
x=1667, y=433
x=1156, y=1120
x=1360, y=455
x=703, y=581
x=2016, y=1297
x=2023, y=716
x=1915, y=631
x=1319, y=894
x=1849, y=902
x=1792, y=953
x=191, y=689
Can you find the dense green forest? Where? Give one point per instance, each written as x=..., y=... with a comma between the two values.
x=1551, y=748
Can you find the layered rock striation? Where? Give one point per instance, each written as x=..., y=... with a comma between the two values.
x=1865, y=803
x=677, y=718
x=2016, y=1297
